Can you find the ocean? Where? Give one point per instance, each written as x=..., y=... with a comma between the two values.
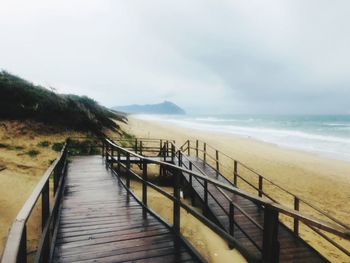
x=328, y=135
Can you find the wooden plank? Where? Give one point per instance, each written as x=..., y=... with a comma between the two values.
x=103, y=234
x=180, y=257
x=103, y=230
x=112, y=245
x=121, y=248
x=146, y=254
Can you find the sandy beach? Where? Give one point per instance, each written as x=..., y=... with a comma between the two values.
x=211, y=246
x=323, y=182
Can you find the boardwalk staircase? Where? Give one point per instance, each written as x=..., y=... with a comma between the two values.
x=90, y=214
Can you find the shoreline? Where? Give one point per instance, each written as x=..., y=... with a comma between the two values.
x=158, y=128
x=206, y=128
x=307, y=175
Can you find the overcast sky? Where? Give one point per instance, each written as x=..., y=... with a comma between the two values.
x=207, y=56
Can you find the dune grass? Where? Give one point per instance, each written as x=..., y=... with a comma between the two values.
x=20, y=99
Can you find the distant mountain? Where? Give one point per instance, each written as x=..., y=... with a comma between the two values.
x=166, y=107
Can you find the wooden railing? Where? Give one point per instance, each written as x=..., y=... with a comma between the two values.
x=218, y=161
x=188, y=164
x=16, y=245
x=115, y=154
x=145, y=146
x=118, y=158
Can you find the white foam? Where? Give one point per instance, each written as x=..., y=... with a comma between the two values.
x=328, y=145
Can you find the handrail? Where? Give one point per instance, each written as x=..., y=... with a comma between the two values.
x=175, y=198
x=261, y=192
x=15, y=248
x=296, y=225
x=329, y=227
x=224, y=194
x=309, y=221
x=234, y=205
x=242, y=178
x=271, y=209
x=342, y=231
x=270, y=181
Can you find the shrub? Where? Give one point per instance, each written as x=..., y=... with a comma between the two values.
x=44, y=144
x=57, y=146
x=11, y=147
x=85, y=147
x=18, y=148
x=32, y=153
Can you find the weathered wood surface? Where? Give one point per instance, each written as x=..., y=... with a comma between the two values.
x=100, y=222
x=292, y=248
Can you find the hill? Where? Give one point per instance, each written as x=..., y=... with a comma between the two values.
x=21, y=100
x=166, y=107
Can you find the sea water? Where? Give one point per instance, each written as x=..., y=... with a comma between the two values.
x=328, y=135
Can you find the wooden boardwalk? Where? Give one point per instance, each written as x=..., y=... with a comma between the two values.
x=88, y=213
x=100, y=222
x=292, y=248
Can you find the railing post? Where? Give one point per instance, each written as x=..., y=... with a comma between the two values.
x=63, y=173
x=119, y=164
x=260, y=186
x=205, y=197
x=127, y=170
x=296, y=220
x=188, y=148
x=106, y=155
x=197, y=148
x=45, y=205
x=176, y=209
x=167, y=148
x=164, y=152
x=161, y=147
x=144, y=188
x=172, y=152
x=271, y=248
x=112, y=156
x=180, y=159
x=141, y=146
x=56, y=174
x=205, y=152
x=235, y=173
x=22, y=250
x=231, y=219
x=217, y=163
x=160, y=171
x=136, y=142
x=191, y=190
x=103, y=148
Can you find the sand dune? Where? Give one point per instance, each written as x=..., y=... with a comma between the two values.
x=22, y=172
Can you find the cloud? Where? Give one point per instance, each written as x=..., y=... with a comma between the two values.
x=228, y=56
